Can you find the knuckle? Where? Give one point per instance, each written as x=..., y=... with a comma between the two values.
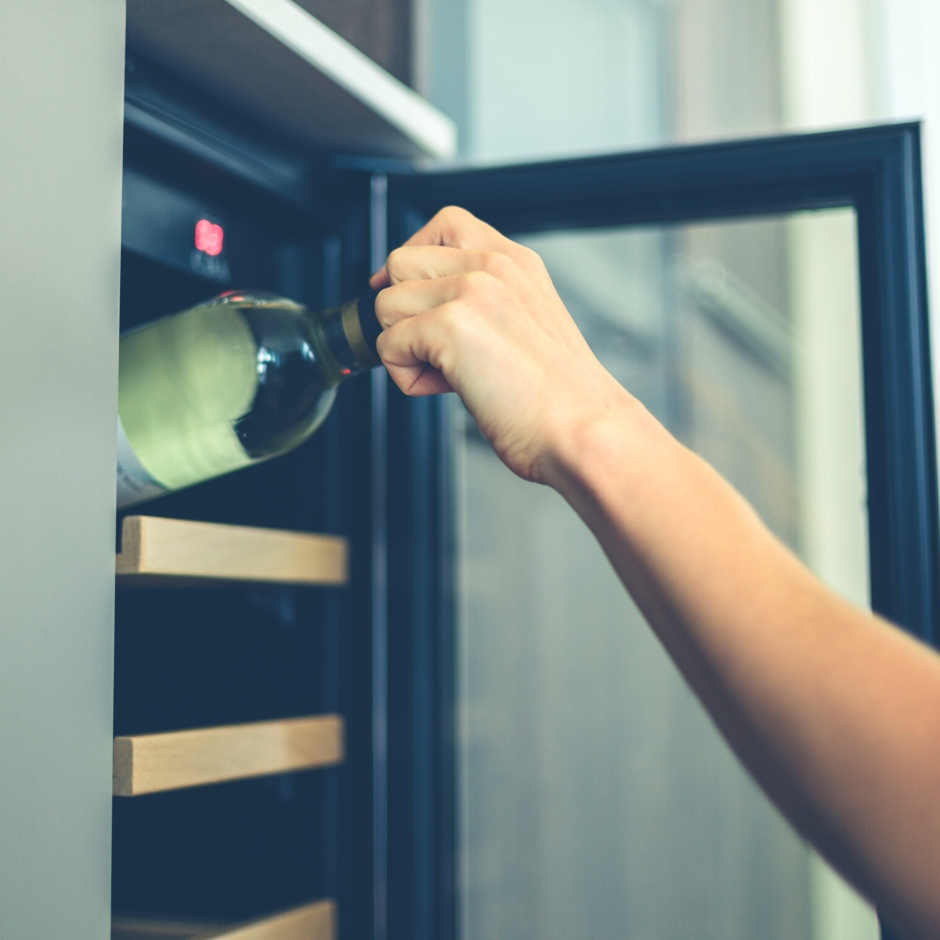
x=383, y=306
x=473, y=282
x=388, y=343
x=395, y=260
x=478, y=290
x=449, y=334
x=453, y=214
x=532, y=257
x=495, y=263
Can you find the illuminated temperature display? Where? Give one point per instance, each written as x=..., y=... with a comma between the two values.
x=209, y=237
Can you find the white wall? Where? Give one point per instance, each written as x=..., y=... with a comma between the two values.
x=859, y=61
x=552, y=77
x=532, y=79
x=827, y=81
x=904, y=68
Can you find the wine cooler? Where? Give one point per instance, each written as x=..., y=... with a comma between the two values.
x=282, y=752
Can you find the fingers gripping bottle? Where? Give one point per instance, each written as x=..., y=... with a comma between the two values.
x=238, y=379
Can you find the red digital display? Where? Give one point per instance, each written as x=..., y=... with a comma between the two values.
x=209, y=237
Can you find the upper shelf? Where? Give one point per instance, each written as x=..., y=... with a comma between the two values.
x=274, y=60
x=174, y=552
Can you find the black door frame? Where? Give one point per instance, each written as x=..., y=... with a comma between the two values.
x=877, y=172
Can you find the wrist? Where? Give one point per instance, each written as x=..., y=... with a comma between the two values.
x=617, y=444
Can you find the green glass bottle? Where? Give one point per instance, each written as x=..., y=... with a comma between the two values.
x=233, y=381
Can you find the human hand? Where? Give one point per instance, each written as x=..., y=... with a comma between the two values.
x=466, y=309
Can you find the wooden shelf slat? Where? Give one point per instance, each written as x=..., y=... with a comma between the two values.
x=133, y=928
x=172, y=552
x=150, y=763
x=310, y=922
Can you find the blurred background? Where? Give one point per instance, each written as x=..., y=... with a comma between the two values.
x=596, y=800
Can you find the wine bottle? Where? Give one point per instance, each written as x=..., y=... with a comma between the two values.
x=233, y=381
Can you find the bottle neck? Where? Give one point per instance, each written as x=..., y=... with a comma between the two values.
x=351, y=331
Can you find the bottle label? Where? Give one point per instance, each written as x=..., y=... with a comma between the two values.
x=134, y=484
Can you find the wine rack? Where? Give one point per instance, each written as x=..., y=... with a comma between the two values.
x=175, y=552
x=309, y=922
x=243, y=731
x=151, y=763
x=168, y=554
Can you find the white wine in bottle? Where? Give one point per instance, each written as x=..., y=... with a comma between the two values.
x=238, y=379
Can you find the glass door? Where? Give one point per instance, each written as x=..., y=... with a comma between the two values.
x=722, y=286
x=597, y=798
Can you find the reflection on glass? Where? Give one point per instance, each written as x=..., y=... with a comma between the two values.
x=597, y=799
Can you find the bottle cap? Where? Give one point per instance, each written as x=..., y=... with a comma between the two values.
x=361, y=328
x=370, y=322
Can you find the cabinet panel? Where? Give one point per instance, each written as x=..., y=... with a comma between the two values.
x=286, y=70
x=381, y=29
x=61, y=68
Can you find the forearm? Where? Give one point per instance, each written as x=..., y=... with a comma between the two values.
x=834, y=713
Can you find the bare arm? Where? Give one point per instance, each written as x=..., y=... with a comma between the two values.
x=836, y=713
